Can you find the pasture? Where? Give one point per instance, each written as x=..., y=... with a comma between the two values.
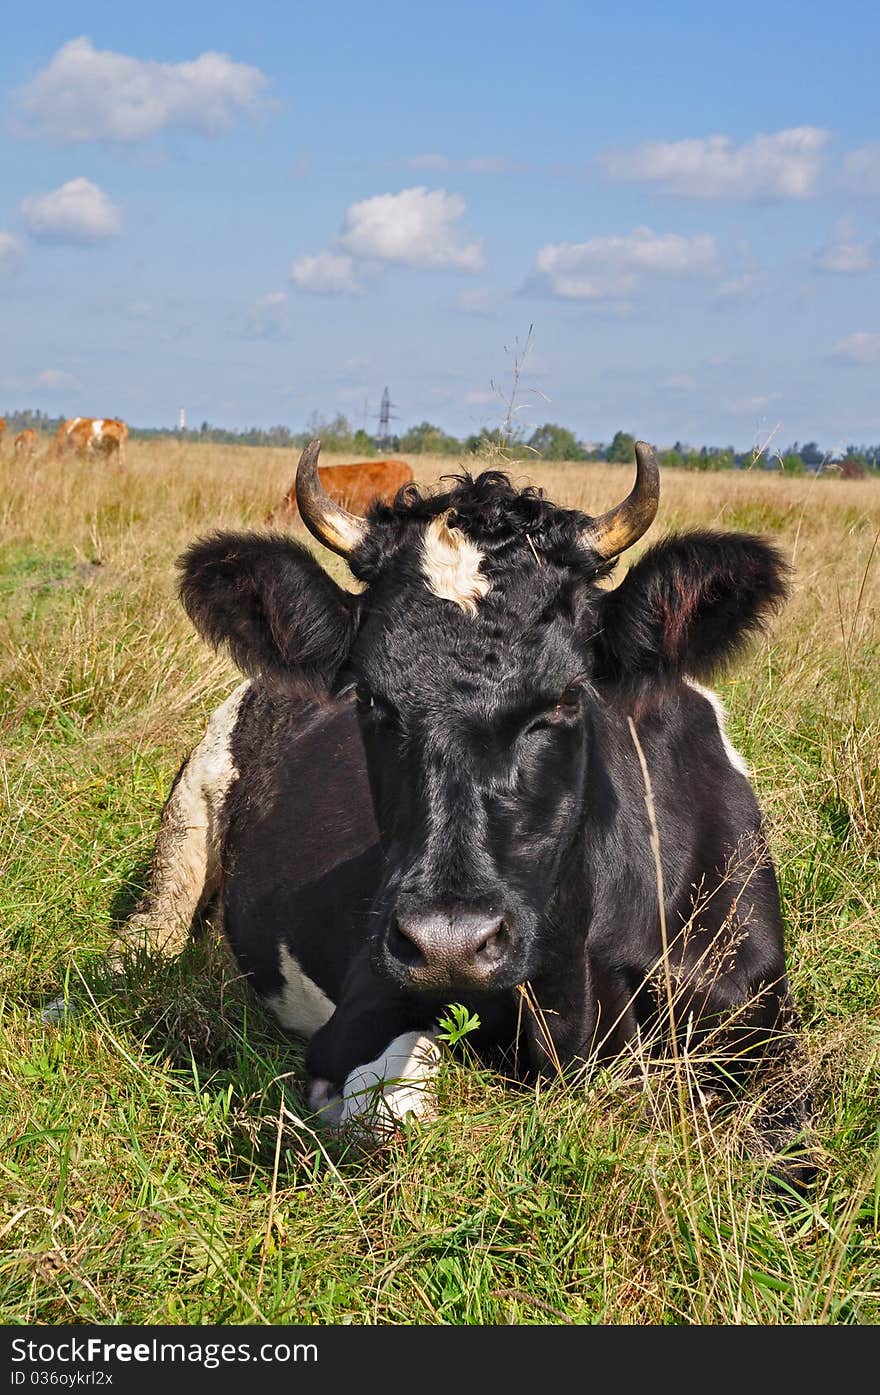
x=157, y=1162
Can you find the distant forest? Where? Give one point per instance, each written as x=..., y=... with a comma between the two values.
x=547, y=442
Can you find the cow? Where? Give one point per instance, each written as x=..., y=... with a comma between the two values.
x=91, y=436
x=355, y=486
x=26, y=443
x=485, y=777
x=2, y=431
x=852, y=468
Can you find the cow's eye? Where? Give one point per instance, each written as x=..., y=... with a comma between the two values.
x=560, y=713
x=571, y=698
x=364, y=697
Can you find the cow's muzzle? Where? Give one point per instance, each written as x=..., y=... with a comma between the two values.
x=447, y=948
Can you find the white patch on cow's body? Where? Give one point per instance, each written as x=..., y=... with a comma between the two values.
x=72, y=424
x=185, y=871
x=300, y=1006
x=733, y=755
x=451, y=565
x=383, y=1092
x=97, y=428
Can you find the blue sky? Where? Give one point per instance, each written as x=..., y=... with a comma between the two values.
x=268, y=210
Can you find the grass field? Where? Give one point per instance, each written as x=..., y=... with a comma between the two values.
x=156, y=1162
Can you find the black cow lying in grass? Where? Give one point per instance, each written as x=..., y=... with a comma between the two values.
x=484, y=779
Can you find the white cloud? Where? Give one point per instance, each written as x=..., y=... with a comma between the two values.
x=77, y=212
x=784, y=165
x=738, y=290
x=326, y=273
x=844, y=253
x=416, y=227
x=268, y=317
x=860, y=347
x=613, y=267
x=52, y=380
x=11, y=254
x=745, y=406
x=56, y=380
x=474, y=164
x=90, y=94
x=861, y=171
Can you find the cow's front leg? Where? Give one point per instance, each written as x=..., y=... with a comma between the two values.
x=759, y=1050
x=382, y=1093
x=560, y=1018
x=374, y=1062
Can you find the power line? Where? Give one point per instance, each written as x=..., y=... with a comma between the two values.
x=386, y=416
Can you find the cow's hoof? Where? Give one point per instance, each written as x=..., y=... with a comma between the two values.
x=792, y=1173
x=382, y=1094
x=325, y=1101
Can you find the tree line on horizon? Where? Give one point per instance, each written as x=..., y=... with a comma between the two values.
x=547, y=442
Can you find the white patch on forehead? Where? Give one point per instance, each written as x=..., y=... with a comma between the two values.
x=733, y=755
x=383, y=1092
x=97, y=427
x=300, y=1006
x=451, y=565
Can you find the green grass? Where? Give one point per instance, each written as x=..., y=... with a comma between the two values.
x=156, y=1160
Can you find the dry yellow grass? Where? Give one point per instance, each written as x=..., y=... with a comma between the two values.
x=124, y=527
x=170, y=487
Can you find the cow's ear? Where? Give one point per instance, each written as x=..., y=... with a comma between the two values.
x=688, y=605
x=271, y=604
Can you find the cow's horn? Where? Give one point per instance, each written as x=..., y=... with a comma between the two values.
x=619, y=528
x=326, y=520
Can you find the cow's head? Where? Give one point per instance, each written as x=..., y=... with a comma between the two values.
x=477, y=653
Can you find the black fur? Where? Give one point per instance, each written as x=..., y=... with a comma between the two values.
x=688, y=606
x=266, y=599
x=504, y=785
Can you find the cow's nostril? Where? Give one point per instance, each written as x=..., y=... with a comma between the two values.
x=435, y=947
x=402, y=947
x=494, y=946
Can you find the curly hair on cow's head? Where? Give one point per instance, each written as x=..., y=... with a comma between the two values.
x=485, y=504
x=498, y=517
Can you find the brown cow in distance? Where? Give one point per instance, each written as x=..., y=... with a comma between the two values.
x=852, y=469
x=92, y=435
x=26, y=443
x=354, y=486
x=2, y=430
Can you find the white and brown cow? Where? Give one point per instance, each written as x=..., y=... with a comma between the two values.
x=26, y=443
x=92, y=436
